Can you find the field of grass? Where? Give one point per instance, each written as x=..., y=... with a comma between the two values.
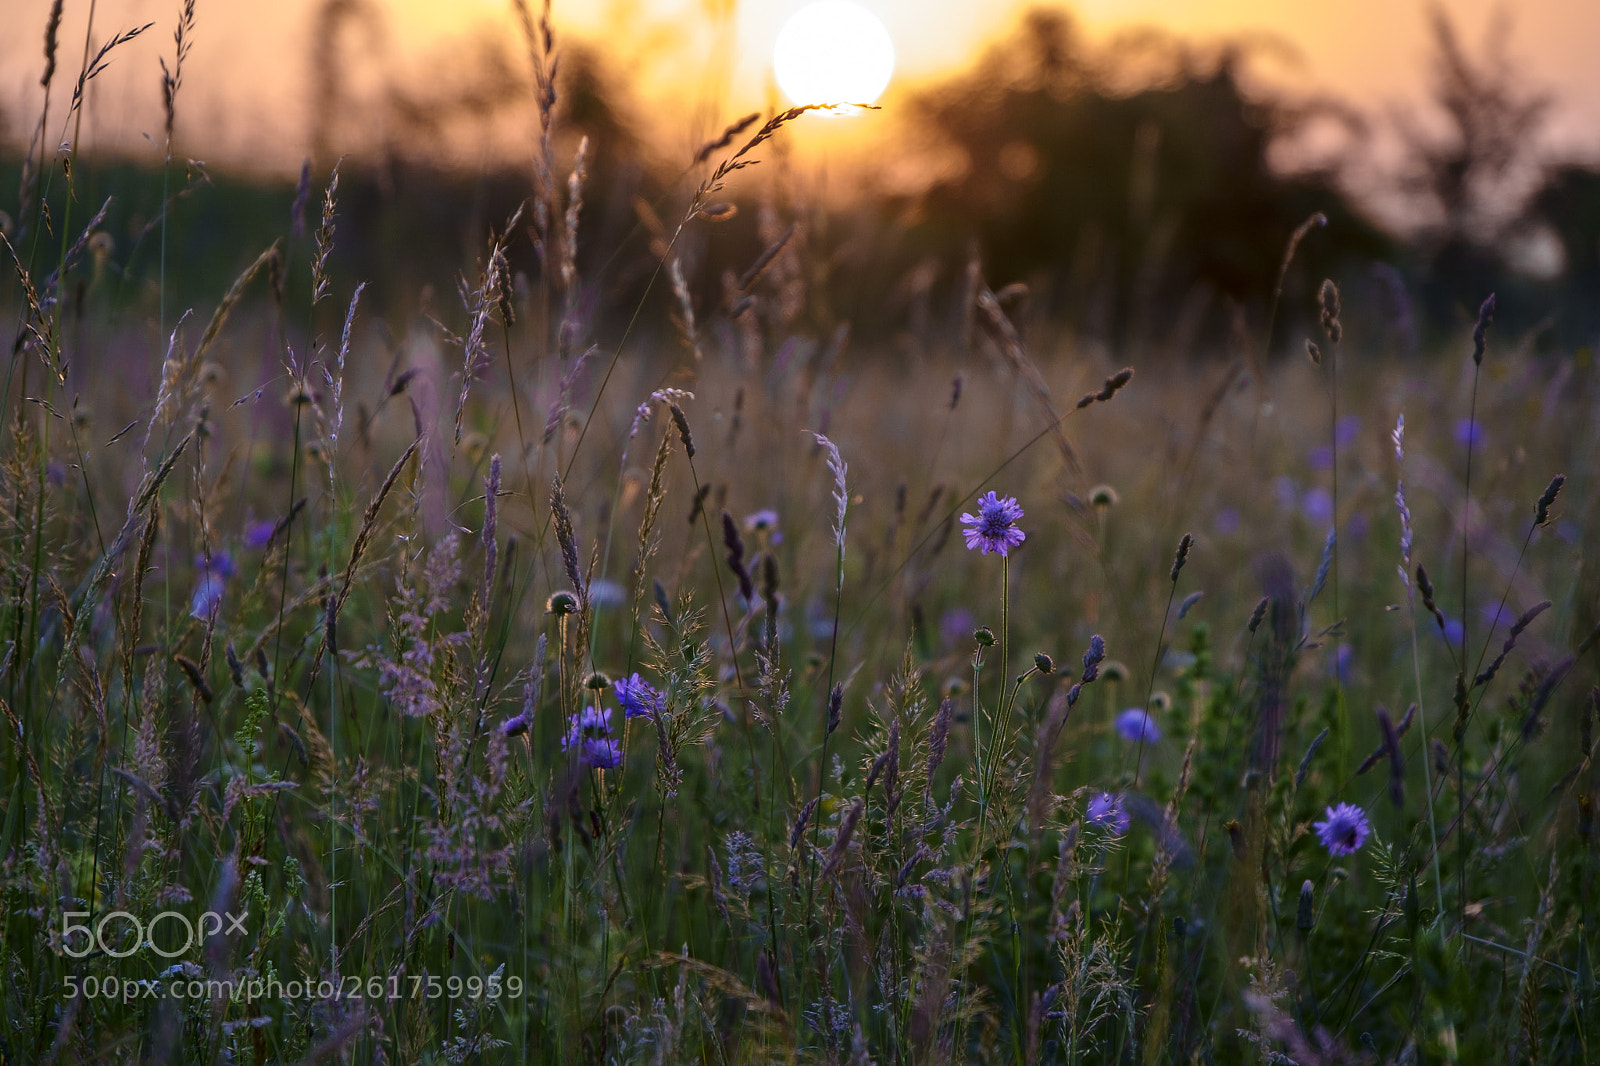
x=426, y=685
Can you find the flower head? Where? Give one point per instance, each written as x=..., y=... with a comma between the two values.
x=1136, y=725
x=761, y=521
x=589, y=735
x=638, y=697
x=1107, y=810
x=215, y=571
x=258, y=535
x=994, y=529
x=1344, y=831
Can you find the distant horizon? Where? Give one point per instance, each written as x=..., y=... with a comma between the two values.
x=246, y=103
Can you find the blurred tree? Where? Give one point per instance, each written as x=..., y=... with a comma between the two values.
x=1470, y=172
x=1134, y=180
x=1568, y=204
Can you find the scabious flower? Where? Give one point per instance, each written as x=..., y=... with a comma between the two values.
x=589, y=735
x=258, y=535
x=1286, y=492
x=956, y=626
x=214, y=574
x=1135, y=725
x=1344, y=831
x=1317, y=505
x=1107, y=810
x=761, y=521
x=639, y=698
x=994, y=529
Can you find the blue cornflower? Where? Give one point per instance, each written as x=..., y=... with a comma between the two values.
x=638, y=697
x=1135, y=725
x=258, y=535
x=1344, y=831
x=995, y=527
x=1107, y=810
x=606, y=593
x=762, y=520
x=956, y=626
x=589, y=734
x=214, y=574
x=1317, y=505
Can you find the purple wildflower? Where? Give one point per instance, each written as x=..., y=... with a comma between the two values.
x=638, y=697
x=995, y=527
x=405, y=670
x=603, y=592
x=214, y=574
x=761, y=521
x=491, y=518
x=258, y=535
x=589, y=735
x=515, y=725
x=956, y=626
x=1226, y=522
x=1344, y=831
x=1469, y=431
x=1285, y=492
x=1107, y=810
x=1320, y=457
x=1136, y=725
x=1317, y=505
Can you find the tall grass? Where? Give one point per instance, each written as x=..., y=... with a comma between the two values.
x=307, y=646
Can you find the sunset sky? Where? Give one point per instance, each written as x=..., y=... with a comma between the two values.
x=246, y=97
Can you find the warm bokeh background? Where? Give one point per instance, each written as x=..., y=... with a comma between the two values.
x=1138, y=164
x=253, y=83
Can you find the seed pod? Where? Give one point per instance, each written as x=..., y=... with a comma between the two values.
x=1235, y=837
x=1182, y=556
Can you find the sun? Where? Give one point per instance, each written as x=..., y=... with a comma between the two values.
x=833, y=52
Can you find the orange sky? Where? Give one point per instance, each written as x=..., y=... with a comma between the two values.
x=246, y=96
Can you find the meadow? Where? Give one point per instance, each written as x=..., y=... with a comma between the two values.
x=445, y=685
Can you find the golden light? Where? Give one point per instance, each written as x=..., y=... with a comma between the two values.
x=833, y=52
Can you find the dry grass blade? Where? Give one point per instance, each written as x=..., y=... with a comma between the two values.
x=219, y=317
x=726, y=138
x=766, y=257
x=369, y=521
x=141, y=502
x=101, y=60
x=1009, y=342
